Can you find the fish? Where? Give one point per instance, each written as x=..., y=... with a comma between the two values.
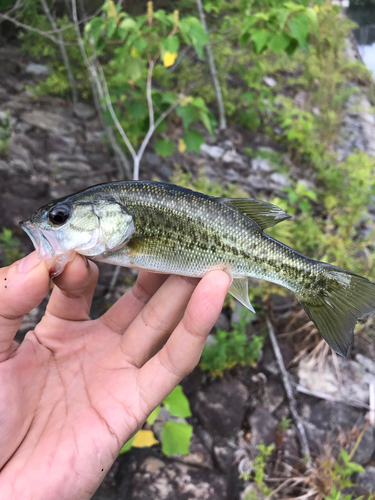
x=165, y=228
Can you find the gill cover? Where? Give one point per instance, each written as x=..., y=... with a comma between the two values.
x=114, y=227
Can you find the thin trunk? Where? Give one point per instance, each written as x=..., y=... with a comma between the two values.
x=64, y=54
x=213, y=71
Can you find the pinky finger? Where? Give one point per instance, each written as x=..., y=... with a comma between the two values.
x=182, y=351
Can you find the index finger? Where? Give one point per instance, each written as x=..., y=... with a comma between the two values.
x=181, y=353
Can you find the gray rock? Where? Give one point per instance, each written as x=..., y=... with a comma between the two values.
x=273, y=395
x=223, y=322
x=211, y=151
x=50, y=122
x=263, y=426
x=161, y=480
x=367, y=479
x=231, y=175
x=4, y=166
x=258, y=182
x=220, y=406
x=261, y=165
x=358, y=374
x=4, y=117
x=280, y=180
x=198, y=456
x=271, y=82
x=232, y=157
x=61, y=144
x=83, y=111
x=153, y=159
x=224, y=455
x=95, y=137
x=37, y=69
x=325, y=419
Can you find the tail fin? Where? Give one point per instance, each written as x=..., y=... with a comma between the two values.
x=335, y=310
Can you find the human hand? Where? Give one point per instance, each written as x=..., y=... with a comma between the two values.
x=75, y=390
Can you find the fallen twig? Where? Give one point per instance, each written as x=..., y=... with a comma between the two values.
x=305, y=449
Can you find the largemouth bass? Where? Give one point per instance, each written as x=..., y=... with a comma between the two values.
x=169, y=229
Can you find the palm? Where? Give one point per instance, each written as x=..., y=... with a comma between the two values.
x=77, y=389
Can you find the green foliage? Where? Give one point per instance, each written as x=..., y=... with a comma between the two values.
x=284, y=424
x=259, y=468
x=176, y=436
x=232, y=348
x=340, y=474
x=9, y=247
x=5, y=130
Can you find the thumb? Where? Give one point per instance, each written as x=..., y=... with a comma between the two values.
x=23, y=286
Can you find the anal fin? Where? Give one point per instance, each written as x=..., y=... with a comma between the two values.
x=239, y=290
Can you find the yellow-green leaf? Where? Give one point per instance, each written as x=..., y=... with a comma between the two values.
x=144, y=439
x=181, y=146
x=169, y=59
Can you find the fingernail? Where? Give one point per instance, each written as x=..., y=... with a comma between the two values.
x=229, y=272
x=28, y=263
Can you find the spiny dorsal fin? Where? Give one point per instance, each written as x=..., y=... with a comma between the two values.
x=263, y=213
x=239, y=290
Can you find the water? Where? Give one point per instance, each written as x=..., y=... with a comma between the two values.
x=364, y=16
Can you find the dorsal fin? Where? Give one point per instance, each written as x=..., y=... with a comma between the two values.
x=263, y=213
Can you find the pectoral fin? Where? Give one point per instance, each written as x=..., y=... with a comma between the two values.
x=239, y=290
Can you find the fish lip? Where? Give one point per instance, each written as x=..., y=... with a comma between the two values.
x=40, y=242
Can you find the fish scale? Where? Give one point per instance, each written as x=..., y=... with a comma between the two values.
x=169, y=229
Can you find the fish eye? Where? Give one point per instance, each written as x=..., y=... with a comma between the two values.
x=58, y=215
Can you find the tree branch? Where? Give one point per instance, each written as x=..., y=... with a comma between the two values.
x=64, y=54
x=98, y=94
x=305, y=448
x=213, y=71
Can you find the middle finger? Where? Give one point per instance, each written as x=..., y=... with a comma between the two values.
x=154, y=324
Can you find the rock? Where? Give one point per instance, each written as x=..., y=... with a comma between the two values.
x=232, y=157
x=258, y=182
x=153, y=159
x=325, y=419
x=83, y=111
x=4, y=117
x=220, y=406
x=271, y=82
x=367, y=479
x=4, y=166
x=161, y=480
x=231, y=175
x=37, y=69
x=358, y=374
x=50, y=122
x=263, y=426
x=273, y=395
x=222, y=322
x=280, y=180
x=211, y=151
x=224, y=454
x=261, y=165
x=250, y=491
x=60, y=144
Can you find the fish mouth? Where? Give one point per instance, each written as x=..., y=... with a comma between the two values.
x=40, y=242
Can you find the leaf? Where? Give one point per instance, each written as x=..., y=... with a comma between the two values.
x=176, y=437
x=279, y=42
x=111, y=28
x=299, y=29
x=310, y=13
x=164, y=148
x=127, y=446
x=128, y=24
x=260, y=39
x=154, y=415
x=169, y=59
x=176, y=402
x=181, y=146
x=193, y=140
x=95, y=28
x=204, y=116
x=144, y=439
x=188, y=114
x=172, y=44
